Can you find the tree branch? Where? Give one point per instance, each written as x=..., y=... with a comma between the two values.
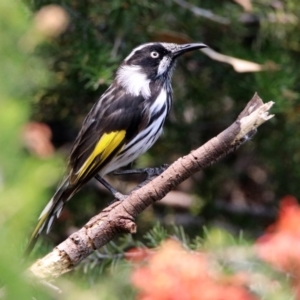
x=120, y=216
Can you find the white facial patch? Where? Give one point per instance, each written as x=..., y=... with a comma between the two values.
x=134, y=81
x=137, y=49
x=163, y=65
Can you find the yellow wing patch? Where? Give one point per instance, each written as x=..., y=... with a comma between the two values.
x=106, y=145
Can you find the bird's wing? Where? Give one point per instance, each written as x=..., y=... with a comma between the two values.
x=112, y=122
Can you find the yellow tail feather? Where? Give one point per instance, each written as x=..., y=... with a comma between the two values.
x=35, y=234
x=39, y=225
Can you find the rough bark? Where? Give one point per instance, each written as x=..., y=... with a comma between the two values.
x=120, y=216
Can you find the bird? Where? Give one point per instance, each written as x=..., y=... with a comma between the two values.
x=123, y=124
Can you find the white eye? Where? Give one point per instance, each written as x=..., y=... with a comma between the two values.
x=154, y=54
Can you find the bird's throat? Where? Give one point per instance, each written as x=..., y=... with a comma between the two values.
x=134, y=81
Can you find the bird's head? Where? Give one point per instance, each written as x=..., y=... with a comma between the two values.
x=151, y=62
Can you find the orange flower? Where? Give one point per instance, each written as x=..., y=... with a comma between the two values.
x=280, y=245
x=289, y=217
x=174, y=273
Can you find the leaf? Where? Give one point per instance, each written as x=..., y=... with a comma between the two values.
x=239, y=65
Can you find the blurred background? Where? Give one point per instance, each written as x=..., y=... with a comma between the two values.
x=58, y=57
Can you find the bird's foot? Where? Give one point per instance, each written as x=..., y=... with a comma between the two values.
x=150, y=172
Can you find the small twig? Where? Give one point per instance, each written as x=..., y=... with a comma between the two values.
x=117, y=45
x=51, y=287
x=201, y=12
x=120, y=216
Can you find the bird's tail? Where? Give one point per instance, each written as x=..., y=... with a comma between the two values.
x=51, y=211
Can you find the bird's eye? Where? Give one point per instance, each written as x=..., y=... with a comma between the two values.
x=154, y=54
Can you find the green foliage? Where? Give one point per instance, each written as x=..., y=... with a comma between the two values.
x=24, y=179
x=58, y=80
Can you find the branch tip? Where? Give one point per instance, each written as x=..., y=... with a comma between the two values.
x=252, y=121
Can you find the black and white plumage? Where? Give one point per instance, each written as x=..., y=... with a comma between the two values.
x=124, y=123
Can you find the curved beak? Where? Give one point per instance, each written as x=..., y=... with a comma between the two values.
x=180, y=49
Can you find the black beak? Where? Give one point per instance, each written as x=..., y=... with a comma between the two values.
x=180, y=49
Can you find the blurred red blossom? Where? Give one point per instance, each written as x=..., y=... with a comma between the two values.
x=174, y=273
x=37, y=139
x=280, y=245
